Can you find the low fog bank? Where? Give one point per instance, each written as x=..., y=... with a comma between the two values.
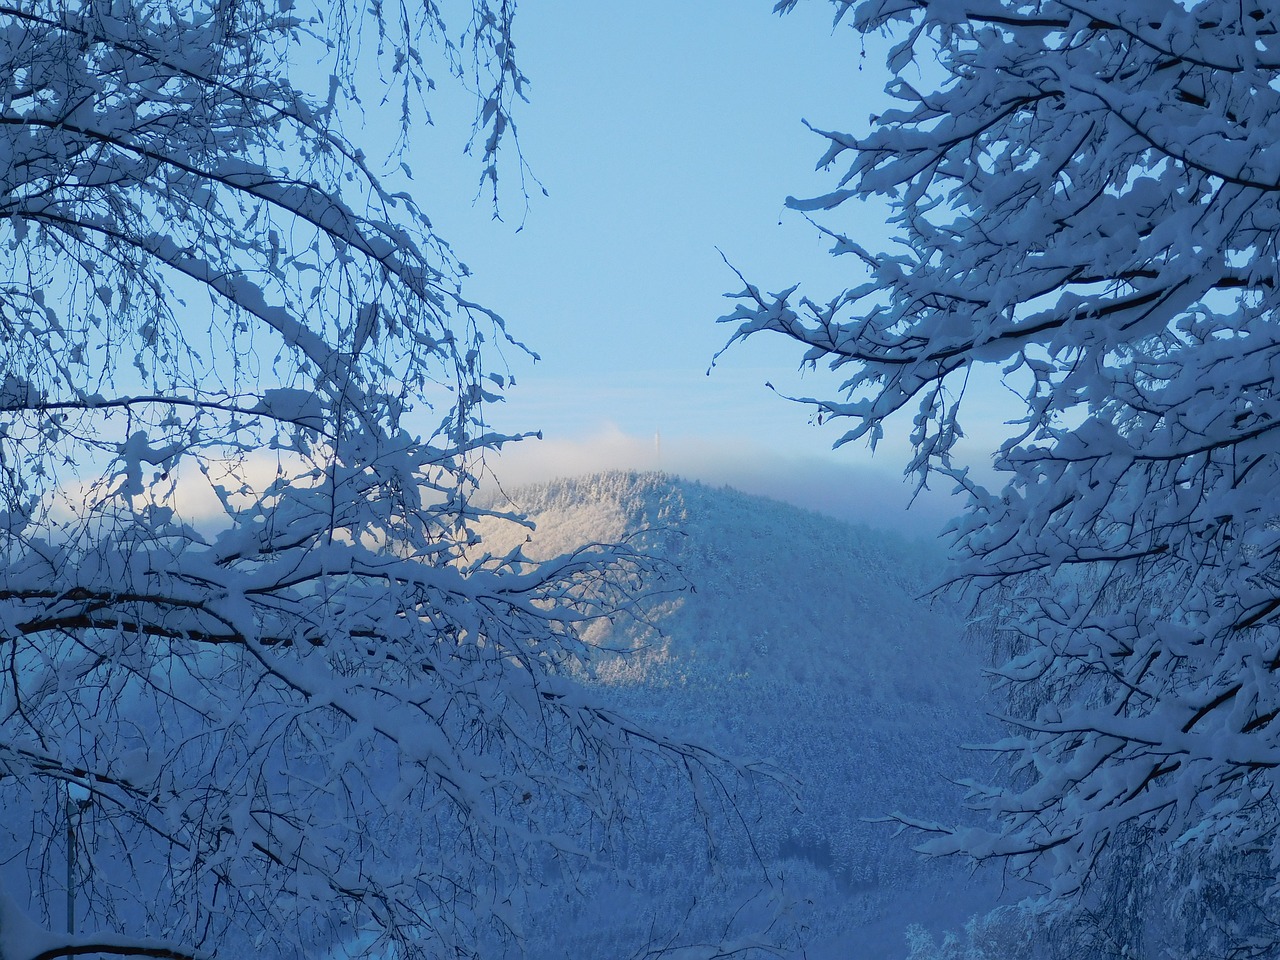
x=876, y=496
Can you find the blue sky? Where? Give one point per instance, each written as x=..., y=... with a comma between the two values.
x=666, y=133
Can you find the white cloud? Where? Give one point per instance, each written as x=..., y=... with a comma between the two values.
x=847, y=490
x=839, y=484
x=185, y=490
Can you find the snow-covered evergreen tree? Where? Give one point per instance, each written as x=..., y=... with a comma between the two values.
x=1087, y=196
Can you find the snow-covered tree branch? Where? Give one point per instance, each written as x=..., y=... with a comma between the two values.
x=1087, y=193
x=262, y=691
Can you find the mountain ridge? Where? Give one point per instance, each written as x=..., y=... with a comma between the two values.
x=803, y=639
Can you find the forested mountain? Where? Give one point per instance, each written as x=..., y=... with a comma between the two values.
x=801, y=640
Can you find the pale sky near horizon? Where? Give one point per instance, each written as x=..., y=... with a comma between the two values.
x=668, y=133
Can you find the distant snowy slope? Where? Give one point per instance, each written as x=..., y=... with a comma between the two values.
x=803, y=640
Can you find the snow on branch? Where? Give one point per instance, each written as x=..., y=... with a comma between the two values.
x=321, y=719
x=1087, y=196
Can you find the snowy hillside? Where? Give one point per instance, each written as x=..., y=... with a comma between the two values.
x=803, y=640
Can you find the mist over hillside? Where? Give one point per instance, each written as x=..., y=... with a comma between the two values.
x=803, y=640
